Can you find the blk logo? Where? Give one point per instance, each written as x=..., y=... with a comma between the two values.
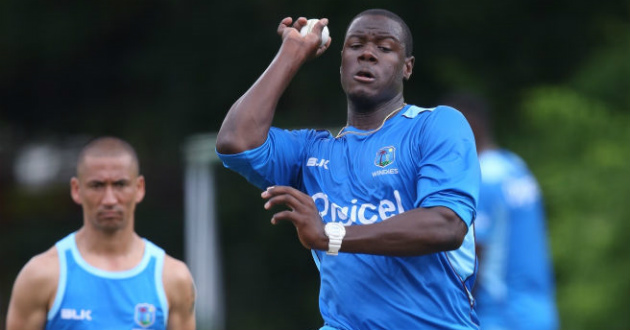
x=73, y=314
x=318, y=162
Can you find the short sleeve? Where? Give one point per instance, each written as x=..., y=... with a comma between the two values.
x=278, y=161
x=448, y=171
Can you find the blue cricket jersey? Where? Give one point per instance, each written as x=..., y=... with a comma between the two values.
x=419, y=158
x=515, y=287
x=89, y=298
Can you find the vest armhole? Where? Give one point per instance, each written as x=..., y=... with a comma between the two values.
x=159, y=255
x=62, y=250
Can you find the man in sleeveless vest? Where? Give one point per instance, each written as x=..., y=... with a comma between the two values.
x=104, y=275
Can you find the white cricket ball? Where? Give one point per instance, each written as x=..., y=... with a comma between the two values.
x=309, y=26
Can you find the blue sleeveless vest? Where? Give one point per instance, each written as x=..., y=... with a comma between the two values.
x=90, y=298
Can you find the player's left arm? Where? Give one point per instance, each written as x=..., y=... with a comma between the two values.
x=180, y=293
x=415, y=232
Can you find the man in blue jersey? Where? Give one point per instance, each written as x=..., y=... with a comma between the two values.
x=387, y=205
x=515, y=287
x=104, y=276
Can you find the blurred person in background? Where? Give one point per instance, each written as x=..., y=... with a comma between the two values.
x=515, y=287
x=386, y=205
x=104, y=276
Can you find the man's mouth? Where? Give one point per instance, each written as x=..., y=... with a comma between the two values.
x=364, y=76
x=109, y=214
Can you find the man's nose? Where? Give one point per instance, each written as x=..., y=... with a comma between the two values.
x=110, y=196
x=368, y=54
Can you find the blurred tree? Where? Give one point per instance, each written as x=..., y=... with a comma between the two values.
x=574, y=144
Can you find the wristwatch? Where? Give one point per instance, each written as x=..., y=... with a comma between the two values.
x=335, y=232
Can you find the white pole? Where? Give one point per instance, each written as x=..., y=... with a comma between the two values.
x=200, y=231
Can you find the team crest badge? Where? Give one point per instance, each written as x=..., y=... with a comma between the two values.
x=385, y=156
x=144, y=315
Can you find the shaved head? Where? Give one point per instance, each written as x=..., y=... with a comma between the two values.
x=108, y=146
x=406, y=38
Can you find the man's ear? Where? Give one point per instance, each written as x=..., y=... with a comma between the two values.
x=140, y=188
x=408, y=69
x=74, y=190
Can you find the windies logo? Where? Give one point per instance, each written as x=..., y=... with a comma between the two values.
x=144, y=315
x=385, y=156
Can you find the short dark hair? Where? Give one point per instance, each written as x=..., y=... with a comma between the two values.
x=407, y=37
x=108, y=146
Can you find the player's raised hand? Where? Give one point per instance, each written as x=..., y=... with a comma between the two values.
x=302, y=213
x=310, y=43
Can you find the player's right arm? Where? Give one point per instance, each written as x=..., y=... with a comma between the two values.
x=33, y=292
x=248, y=121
